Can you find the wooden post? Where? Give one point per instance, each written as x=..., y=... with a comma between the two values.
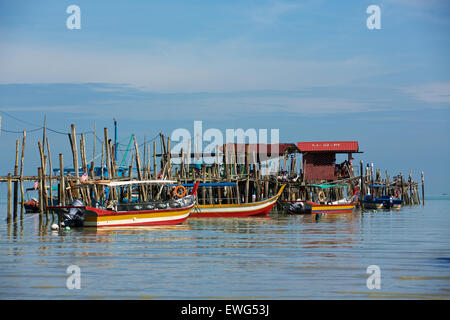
x=410, y=188
x=155, y=173
x=93, y=146
x=9, y=199
x=102, y=163
x=107, y=156
x=225, y=160
x=139, y=172
x=74, y=150
x=43, y=132
x=41, y=195
x=188, y=159
x=182, y=169
x=401, y=186
x=238, y=200
x=16, y=185
x=361, y=192
x=50, y=174
x=204, y=188
x=423, y=189
x=210, y=191
x=22, y=194
x=112, y=173
x=44, y=187
x=168, y=158
x=62, y=194
x=84, y=165
x=247, y=171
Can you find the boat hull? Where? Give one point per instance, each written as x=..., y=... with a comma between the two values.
x=260, y=208
x=380, y=203
x=372, y=205
x=332, y=208
x=106, y=218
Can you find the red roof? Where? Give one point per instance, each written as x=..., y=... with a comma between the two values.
x=262, y=148
x=336, y=146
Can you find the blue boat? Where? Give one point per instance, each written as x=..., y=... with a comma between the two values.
x=385, y=201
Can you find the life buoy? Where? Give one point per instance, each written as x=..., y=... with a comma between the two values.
x=355, y=191
x=177, y=188
x=397, y=193
x=321, y=196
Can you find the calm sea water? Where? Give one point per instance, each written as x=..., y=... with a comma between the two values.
x=279, y=257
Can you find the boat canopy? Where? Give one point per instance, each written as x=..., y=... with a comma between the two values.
x=211, y=184
x=325, y=185
x=125, y=183
x=381, y=186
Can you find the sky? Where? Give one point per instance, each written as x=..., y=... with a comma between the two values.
x=311, y=69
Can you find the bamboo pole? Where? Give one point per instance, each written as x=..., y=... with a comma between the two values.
x=210, y=191
x=204, y=188
x=9, y=199
x=62, y=194
x=361, y=192
x=410, y=188
x=93, y=143
x=50, y=174
x=84, y=166
x=423, y=188
x=41, y=197
x=22, y=194
x=247, y=171
x=102, y=163
x=182, y=169
x=44, y=187
x=155, y=174
x=74, y=150
x=169, y=159
x=16, y=185
x=139, y=172
x=107, y=156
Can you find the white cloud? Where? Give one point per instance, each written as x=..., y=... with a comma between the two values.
x=271, y=13
x=179, y=67
x=434, y=92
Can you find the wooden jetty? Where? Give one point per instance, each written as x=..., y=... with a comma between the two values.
x=242, y=166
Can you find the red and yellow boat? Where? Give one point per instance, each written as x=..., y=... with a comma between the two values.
x=259, y=208
x=332, y=207
x=128, y=214
x=324, y=205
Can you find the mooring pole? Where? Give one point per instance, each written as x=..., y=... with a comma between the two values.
x=115, y=139
x=423, y=189
x=9, y=200
x=361, y=192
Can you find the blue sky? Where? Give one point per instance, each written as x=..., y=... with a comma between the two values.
x=310, y=68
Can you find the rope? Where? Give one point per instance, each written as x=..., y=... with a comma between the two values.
x=18, y=220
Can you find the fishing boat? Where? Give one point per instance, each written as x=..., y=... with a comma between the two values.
x=324, y=205
x=217, y=210
x=148, y=213
x=385, y=200
x=31, y=205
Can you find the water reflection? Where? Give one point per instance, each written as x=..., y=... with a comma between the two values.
x=282, y=256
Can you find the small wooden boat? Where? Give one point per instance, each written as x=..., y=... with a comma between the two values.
x=323, y=205
x=259, y=208
x=345, y=206
x=149, y=213
x=32, y=204
x=385, y=201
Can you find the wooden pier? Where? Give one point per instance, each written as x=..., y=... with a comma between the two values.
x=244, y=168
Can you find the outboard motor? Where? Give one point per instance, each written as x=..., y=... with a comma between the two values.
x=75, y=216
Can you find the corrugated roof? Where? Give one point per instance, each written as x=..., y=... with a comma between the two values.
x=262, y=148
x=337, y=146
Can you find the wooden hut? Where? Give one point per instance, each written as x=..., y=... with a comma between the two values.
x=319, y=159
